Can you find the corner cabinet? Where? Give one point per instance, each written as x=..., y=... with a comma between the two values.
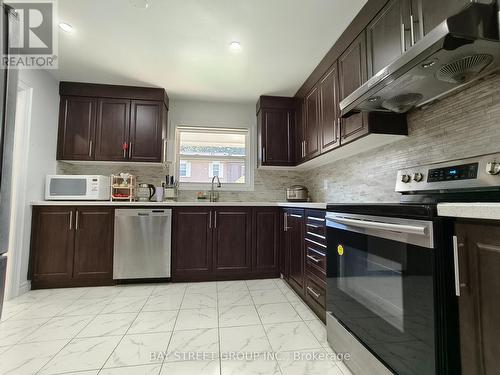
x=478, y=248
x=71, y=246
x=276, y=131
x=111, y=123
x=224, y=243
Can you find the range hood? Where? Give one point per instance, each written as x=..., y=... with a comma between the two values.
x=461, y=49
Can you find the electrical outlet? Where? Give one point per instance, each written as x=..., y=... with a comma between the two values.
x=325, y=184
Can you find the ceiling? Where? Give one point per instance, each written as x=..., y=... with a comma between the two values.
x=183, y=45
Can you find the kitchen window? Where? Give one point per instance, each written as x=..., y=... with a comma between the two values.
x=203, y=153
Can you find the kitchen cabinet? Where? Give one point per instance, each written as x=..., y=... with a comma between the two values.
x=294, y=248
x=71, y=246
x=93, y=254
x=145, y=142
x=385, y=37
x=224, y=243
x=112, y=136
x=300, y=154
x=192, y=250
x=77, y=122
x=266, y=236
x=276, y=131
x=478, y=245
x=312, y=124
x=329, y=110
x=232, y=241
x=111, y=123
x=432, y=13
x=352, y=74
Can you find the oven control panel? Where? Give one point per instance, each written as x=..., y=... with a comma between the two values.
x=481, y=172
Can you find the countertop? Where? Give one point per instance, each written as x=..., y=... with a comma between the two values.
x=321, y=206
x=487, y=211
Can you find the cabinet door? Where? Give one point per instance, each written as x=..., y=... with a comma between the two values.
x=435, y=12
x=311, y=124
x=277, y=137
x=385, y=37
x=352, y=74
x=479, y=301
x=329, y=110
x=295, y=244
x=300, y=152
x=77, y=118
x=192, y=255
x=145, y=131
x=93, y=257
x=266, y=234
x=112, y=129
x=52, y=244
x=232, y=241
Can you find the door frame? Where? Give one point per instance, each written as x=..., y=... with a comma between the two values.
x=20, y=217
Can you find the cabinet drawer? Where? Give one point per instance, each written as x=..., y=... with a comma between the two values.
x=315, y=293
x=316, y=243
x=315, y=258
x=315, y=230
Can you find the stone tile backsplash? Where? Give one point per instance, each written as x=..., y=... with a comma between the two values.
x=462, y=125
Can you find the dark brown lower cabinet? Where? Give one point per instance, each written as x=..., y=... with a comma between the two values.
x=479, y=301
x=224, y=243
x=232, y=241
x=93, y=256
x=71, y=246
x=294, y=248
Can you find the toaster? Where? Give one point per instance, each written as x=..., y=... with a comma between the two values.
x=297, y=193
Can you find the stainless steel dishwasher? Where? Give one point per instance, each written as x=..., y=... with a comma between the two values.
x=142, y=243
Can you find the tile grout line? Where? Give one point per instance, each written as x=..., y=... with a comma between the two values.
x=173, y=330
x=265, y=333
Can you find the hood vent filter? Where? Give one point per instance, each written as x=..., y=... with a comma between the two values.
x=464, y=69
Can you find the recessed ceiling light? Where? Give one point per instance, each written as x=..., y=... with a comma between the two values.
x=234, y=45
x=66, y=27
x=140, y=4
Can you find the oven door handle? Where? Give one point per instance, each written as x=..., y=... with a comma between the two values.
x=412, y=229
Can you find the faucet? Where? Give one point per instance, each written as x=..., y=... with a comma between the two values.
x=214, y=195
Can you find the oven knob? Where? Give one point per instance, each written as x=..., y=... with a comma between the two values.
x=405, y=178
x=418, y=177
x=493, y=168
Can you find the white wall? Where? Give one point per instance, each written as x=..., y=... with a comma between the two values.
x=40, y=150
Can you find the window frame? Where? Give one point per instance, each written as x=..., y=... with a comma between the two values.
x=188, y=169
x=248, y=159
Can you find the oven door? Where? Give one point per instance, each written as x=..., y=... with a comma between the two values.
x=380, y=275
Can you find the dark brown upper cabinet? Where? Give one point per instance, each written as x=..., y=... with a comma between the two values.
x=111, y=123
x=312, y=124
x=329, y=110
x=113, y=119
x=385, y=37
x=77, y=123
x=352, y=74
x=432, y=13
x=145, y=131
x=276, y=131
x=479, y=301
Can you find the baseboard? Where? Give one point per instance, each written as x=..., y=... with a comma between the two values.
x=24, y=288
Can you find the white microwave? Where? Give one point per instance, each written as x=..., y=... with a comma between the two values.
x=77, y=187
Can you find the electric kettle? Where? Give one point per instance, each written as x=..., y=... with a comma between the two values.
x=145, y=192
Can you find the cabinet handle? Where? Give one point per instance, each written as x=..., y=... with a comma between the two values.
x=210, y=220
x=263, y=154
x=313, y=226
x=455, y=266
x=71, y=220
x=90, y=149
x=316, y=260
x=297, y=216
x=76, y=220
x=215, y=220
x=285, y=222
x=124, y=147
x=412, y=30
x=130, y=150
x=315, y=243
x=403, y=47
x=313, y=292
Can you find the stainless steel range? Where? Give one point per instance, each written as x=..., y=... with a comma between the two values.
x=391, y=277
